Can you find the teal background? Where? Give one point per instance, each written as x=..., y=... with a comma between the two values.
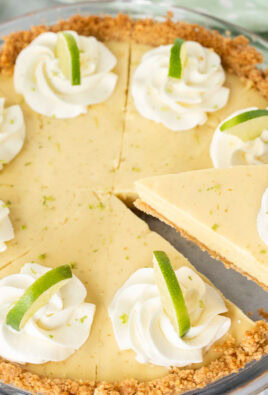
x=252, y=14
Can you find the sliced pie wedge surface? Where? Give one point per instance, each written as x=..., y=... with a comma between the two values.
x=217, y=209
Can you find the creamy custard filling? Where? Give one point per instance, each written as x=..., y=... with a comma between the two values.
x=244, y=260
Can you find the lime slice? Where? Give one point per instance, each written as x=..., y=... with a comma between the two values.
x=37, y=295
x=171, y=294
x=248, y=125
x=69, y=57
x=178, y=59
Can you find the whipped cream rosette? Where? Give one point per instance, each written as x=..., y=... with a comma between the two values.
x=55, y=331
x=228, y=150
x=39, y=78
x=262, y=219
x=179, y=103
x=141, y=325
x=6, y=228
x=12, y=132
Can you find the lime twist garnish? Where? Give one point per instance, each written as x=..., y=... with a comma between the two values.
x=37, y=295
x=68, y=54
x=172, y=299
x=248, y=125
x=178, y=59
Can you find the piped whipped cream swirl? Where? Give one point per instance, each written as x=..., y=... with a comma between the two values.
x=141, y=325
x=12, y=132
x=179, y=104
x=227, y=150
x=262, y=219
x=6, y=228
x=47, y=91
x=55, y=331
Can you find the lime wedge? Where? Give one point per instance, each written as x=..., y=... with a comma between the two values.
x=248, y=125
x=178, y=59
x=37, y=295
x=69, y=57
x=171, y=294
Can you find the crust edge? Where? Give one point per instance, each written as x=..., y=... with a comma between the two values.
x=234, y=357
x=236, y=53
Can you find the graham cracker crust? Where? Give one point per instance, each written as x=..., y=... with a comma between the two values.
x=230, y=265
x=263, y=313
x=234, y=357
x=236, y=53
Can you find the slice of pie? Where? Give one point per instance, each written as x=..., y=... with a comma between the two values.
x=106, y=243
x=218, y=210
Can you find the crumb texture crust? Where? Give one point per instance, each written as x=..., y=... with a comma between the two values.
x=233, y=358
x=236, y=53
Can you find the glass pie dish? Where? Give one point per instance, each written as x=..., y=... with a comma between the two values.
x=229, y=282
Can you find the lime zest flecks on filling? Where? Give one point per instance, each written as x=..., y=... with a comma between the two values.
x=136, y=169
x=47, y=199
x=215, y=188
x=42, y=256
x=100, y=205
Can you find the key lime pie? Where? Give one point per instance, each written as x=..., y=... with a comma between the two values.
x=91, y=300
